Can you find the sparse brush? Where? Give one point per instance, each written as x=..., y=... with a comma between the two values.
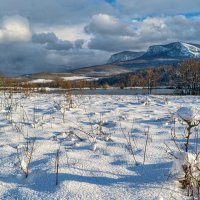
x=69, y=100
x=57, y=162
x=145, y=148
x=25, y=155
x=130, y=146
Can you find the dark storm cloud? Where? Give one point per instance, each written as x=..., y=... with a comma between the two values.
x=78, y=44
x=85, y=58
x=23, y=57
x=44, y=38
x=26, y=57
x=112, y=44
x=51, y=42
x=60, y=45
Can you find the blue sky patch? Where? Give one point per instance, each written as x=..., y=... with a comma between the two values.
x=110, y=1
x=191, y=15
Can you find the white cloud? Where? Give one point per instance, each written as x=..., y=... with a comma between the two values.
x=169, y=29
x=107, y=25
x=15, y=29
x=146, y=32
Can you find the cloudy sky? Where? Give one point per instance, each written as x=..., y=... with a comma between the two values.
x=43, y=35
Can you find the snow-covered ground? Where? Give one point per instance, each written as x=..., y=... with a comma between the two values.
x=75, y=78
x=41, y=81
x=94, y=158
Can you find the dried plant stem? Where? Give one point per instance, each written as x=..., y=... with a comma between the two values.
x=145, y=148
x=57, y=164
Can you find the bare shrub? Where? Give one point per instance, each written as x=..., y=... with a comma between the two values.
x=186, y=162
x=25, y=155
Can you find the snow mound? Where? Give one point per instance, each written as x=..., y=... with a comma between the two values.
x=181, y=159
x=188, y=114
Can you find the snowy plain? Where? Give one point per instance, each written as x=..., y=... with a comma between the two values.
x=91, y=134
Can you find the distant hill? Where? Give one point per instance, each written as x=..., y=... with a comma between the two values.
x=101, y=70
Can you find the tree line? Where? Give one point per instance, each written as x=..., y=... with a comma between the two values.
x=185, y=77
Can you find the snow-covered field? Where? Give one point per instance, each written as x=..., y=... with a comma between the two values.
x=90, y=135
x=75, y=78
x=41, y=81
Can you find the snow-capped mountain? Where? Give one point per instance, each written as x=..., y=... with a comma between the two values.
x=124, y=56
x=175, y=50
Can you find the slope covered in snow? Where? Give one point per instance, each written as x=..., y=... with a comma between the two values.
x=124, y=56
x=173, y=50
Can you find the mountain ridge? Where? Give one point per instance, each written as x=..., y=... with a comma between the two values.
x=175, y=50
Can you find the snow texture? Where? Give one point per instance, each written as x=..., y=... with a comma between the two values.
x=94, y=160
